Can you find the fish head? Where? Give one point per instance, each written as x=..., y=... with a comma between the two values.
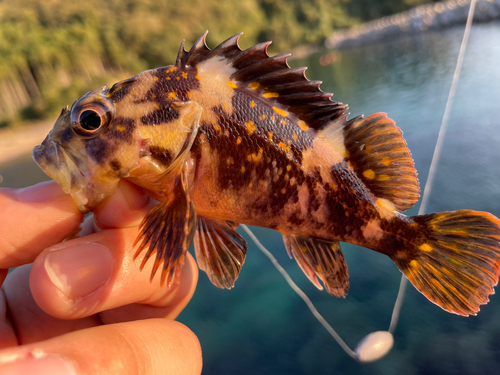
x=104, y=137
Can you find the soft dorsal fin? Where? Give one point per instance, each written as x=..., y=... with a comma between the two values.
x=258, y=72
x=377, y=152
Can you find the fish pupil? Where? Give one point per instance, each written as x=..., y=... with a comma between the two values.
x=90, y=120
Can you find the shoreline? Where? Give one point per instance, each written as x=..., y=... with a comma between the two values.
x=18, y=142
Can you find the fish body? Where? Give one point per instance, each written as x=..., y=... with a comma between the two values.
x=227, y=136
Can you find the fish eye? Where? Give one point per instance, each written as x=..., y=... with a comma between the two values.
x=90, y=120
x=90, y=116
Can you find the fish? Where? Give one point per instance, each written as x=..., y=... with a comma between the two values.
x=228, y=136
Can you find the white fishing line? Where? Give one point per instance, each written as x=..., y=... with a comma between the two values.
x=301, y=294
x=437, y=153
x=377, y=344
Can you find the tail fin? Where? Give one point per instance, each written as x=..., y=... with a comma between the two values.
x=457, y=263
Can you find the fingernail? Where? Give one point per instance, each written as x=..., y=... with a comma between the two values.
x=133, y=195
x=50, y=364
x=42, y=192
x=79, y=270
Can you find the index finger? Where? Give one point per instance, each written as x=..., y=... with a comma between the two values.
x=33, y=219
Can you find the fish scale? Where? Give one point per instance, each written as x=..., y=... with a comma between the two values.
x=227, y=136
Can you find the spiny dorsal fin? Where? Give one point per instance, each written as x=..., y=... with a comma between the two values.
x=377, y=152
x=256, y=72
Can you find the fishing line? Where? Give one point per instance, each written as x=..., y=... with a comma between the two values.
x=377, y=344
x=437, y=154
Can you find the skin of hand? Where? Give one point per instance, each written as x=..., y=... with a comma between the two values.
x=83, y=306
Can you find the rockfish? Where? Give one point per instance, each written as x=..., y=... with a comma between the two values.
x=227, y=136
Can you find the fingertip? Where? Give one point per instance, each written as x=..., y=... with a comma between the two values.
x=125, y=208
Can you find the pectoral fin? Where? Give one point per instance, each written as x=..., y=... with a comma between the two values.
x=220, y=251
x=168, y=231
x=319, y=258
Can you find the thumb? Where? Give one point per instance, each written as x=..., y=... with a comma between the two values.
x=153, y=346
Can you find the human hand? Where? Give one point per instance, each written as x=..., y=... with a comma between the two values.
x=83, y=306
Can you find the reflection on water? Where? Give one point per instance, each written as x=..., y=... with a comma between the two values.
x=261, y=327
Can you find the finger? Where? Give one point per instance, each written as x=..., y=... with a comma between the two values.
x=153, y=346
x=35, y=218
x=24, y=322
x=88, y=275
x=126, y=208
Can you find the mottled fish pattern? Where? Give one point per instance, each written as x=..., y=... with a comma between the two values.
x=227, y=136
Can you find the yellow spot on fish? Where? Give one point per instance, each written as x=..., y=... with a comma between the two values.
x=156, y=78
x=250, y=127
x=280, y=111
x=197, y=77
x=157, y=106
x=270, y=136
x=153, y=96
x=252, y=104
x=425, y=247
x=232, y=85
x=168, y=78
x=287, y=176
x=184, y=75
x=263, y=117
x=283, y=146
x=230, y=161
x=369, y=174
x=303, y=125
x=414, y=264
x=178, y=78
x=383, y=177
x=171, y=95
x=242, y=169
x=98, y=97
x=172, y=68
x=386, y=160
x=120, y=128
x=280, y=171
x=254, y=85
x=288, y=167
x=256, y=158
x=271, y=95
x=294, y=137
x=217, y=127
x=283, y=191
x=238, y=141
x=346, y=213
x=385, y=208
x=318, y=268
x=272, y=118
x=189, y=94
x=250, y=184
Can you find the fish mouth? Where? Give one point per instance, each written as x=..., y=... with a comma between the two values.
x=65, y=167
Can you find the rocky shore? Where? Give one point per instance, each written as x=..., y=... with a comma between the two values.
x=435, y=16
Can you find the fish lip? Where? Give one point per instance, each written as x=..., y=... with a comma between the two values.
x=65, y=167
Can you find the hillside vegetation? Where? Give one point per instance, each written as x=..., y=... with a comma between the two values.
x=52, y=50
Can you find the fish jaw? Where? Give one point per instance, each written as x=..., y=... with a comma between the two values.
x=69, y=169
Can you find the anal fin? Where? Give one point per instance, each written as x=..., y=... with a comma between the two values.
x=168, y=230
x=377, y=152
x=320, y=258
x=220, y=251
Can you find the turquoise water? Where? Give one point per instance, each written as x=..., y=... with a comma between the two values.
x=262, y=327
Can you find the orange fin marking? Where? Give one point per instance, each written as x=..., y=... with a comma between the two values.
x=378, y=154
x=458, y=264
